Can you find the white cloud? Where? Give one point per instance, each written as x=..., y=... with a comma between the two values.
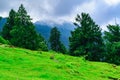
x=111, y=22
x=4, y=14
x=40, y=10
x=44, y=10
x=112, y=2
x=37, y=9
x=60, y=11
x=88, y=7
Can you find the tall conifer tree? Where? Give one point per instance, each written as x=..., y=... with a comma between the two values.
x=24, y=34
x=112, y=39
x=20, y=31
x=86, y=39
x=9, y=25
x=55, y=42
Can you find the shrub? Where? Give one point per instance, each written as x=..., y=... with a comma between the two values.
x=3, y=41
x=113, y=55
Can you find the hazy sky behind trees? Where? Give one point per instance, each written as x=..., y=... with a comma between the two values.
x=60, y=11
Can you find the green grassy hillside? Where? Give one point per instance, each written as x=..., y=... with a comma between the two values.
x=22, y=64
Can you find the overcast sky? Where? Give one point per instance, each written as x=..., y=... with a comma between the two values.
x=59, y=11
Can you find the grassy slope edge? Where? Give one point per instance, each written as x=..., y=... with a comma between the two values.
x=22, y=64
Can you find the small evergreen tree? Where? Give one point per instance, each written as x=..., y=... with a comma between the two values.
x=42, y=45
x=3, y=41
x=112, y=38
x=55, y=42
x=113, y=33
x=86, y=39
x=0, y=18
x=9, y=25
x=63, y=48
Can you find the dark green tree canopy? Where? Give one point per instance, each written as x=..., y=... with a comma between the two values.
x=113, y=33
x=22, y=17
x=20, y=31
x=86, y=39
x=112, y=39
x=54, y=39
x=55, y=42
x=0, y=18
x=9, y=25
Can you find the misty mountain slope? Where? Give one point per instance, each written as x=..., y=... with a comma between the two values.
x=2, y=22
x=65, y=30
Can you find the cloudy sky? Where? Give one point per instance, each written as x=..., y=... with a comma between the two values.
x=59, y=11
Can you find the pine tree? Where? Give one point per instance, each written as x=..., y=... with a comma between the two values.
x=112, y=38
x=55, y=42
x=113, y=33
x=9, y=25
x=42, y=44
x=23, y=33
x=22, y=17
x=3, y=41
x=86, y=39
x=0, y=18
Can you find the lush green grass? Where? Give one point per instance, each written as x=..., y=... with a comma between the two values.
x=22, y=64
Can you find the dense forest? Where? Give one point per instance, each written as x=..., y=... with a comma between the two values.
x=86, y=40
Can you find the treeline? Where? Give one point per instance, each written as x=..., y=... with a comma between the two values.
x=20, y=31
x=86, y=39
